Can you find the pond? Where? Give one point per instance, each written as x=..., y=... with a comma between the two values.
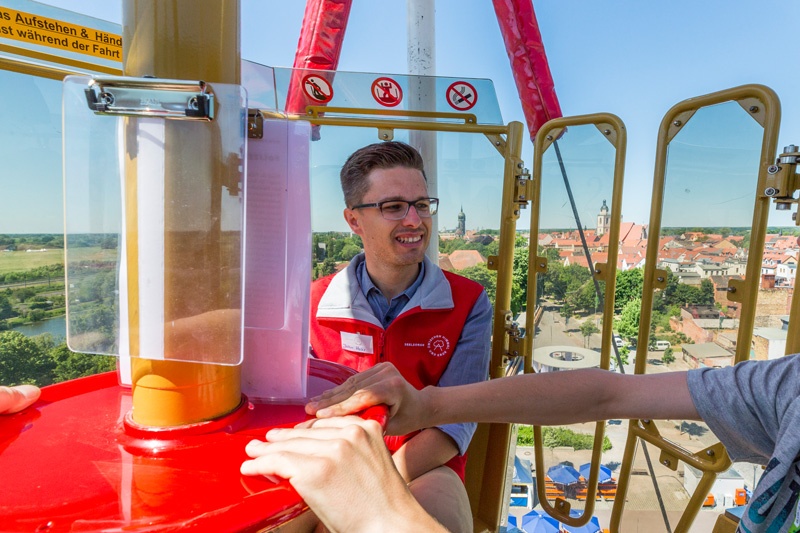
x=57, y=327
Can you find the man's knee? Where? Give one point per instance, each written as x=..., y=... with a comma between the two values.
x=442, y=494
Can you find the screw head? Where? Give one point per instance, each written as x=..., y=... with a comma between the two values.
x=677, y=123
x=754, y=109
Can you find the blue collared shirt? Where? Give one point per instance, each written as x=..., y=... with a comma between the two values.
x=471, y=354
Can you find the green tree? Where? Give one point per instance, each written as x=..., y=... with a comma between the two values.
x=72, y=365
x=629, y=286
x=519, y=292
x=566, y=312
x=6, y=310
x=326, y=268
x=23, y=360
x=588, y=328
x=624, y=352
x=487, y=278
x=668, y=357
x=628, y=323
x=706, y=292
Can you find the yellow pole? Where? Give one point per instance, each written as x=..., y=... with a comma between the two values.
x=182, y=39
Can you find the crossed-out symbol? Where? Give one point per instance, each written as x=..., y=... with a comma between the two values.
x=387, y=92
x=318, y=88
x=462, y=96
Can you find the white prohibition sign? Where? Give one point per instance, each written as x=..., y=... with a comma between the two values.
x=387, y=92
x=462, y=96
x=318, y=88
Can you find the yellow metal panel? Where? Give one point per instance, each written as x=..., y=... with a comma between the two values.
x=763, y=104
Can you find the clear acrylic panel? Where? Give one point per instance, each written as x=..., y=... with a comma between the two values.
x=709, y=198
x=466, y=174
x=574, y=224
x=298, y=88
x=166, y=196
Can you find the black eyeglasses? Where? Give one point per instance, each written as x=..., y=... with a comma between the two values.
x=398, y=209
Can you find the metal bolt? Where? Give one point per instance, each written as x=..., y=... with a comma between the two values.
x=516, y=212
x=771, y=191
x=646, y=421
x=542, y=265
x=665, y=462
x=549, y=137
x=710, y=453
x=497, y=143
x=107, y=98
x=520, y=164
x=607, y=132
x=731, y=289
x=754, y=109
x=597, y=271
x=677, y=123
x=385, y=135
x=773, y=169
x=193, y=103
x=660, y=279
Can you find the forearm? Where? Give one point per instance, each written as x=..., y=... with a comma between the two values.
x=561, y=398
x=429, y=449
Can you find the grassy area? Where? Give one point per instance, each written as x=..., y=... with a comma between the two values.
x=19, y=261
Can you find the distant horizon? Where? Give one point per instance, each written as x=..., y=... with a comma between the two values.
x=543, y=230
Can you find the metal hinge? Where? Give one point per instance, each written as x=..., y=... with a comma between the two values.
x=150, y=97
x=255, y=124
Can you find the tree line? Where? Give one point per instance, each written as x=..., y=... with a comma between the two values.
x=42, y=361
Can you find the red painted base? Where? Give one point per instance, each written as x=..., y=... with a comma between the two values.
x=76, y=462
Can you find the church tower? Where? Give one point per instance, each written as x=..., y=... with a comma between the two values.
x=461, y=230
x=603, y=220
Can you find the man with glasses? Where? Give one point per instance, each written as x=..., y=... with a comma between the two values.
x=392, y=304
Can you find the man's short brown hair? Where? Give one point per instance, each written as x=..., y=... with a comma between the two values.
x=382, y=155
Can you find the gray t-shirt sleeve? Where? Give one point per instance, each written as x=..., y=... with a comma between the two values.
x=745, y=405
x=469, y=364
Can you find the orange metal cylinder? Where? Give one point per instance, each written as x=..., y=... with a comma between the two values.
x=184, y=39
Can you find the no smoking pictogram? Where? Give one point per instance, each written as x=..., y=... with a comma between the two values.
x=387, y=92
x=462, y=96
x=318, y=88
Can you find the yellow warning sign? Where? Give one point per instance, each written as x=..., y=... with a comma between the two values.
x=35, y=29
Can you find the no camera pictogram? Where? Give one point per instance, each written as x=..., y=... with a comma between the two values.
x=318, y=88
x=462, y=96
x=387, y=92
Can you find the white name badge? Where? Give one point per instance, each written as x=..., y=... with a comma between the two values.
x=355, y=342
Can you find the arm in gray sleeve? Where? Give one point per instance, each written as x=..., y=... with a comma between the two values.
x=744, y=405
x=470, y=363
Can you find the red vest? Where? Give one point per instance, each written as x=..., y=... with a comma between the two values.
x=419, y=342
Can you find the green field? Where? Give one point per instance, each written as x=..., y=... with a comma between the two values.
x=20, y=261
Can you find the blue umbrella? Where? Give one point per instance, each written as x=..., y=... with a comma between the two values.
x=512, y=520
x=536, y=522
x=605, y=472
x=563, y=474
x=592, y=527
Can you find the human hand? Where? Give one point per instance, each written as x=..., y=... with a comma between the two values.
x=381, y=384
x=342, y=469
x=15, y=399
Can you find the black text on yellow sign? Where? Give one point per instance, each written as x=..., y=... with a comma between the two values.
x=35, y=29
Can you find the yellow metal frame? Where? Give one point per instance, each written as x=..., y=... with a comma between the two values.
x=763, y=104
x=613, y=128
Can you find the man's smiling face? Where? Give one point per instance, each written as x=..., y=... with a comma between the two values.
x=392, y=243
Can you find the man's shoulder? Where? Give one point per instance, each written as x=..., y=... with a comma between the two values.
x=459, y=281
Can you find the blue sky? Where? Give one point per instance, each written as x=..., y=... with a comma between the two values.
x=631, y=58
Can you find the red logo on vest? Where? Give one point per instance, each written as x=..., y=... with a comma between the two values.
x=438, y=345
